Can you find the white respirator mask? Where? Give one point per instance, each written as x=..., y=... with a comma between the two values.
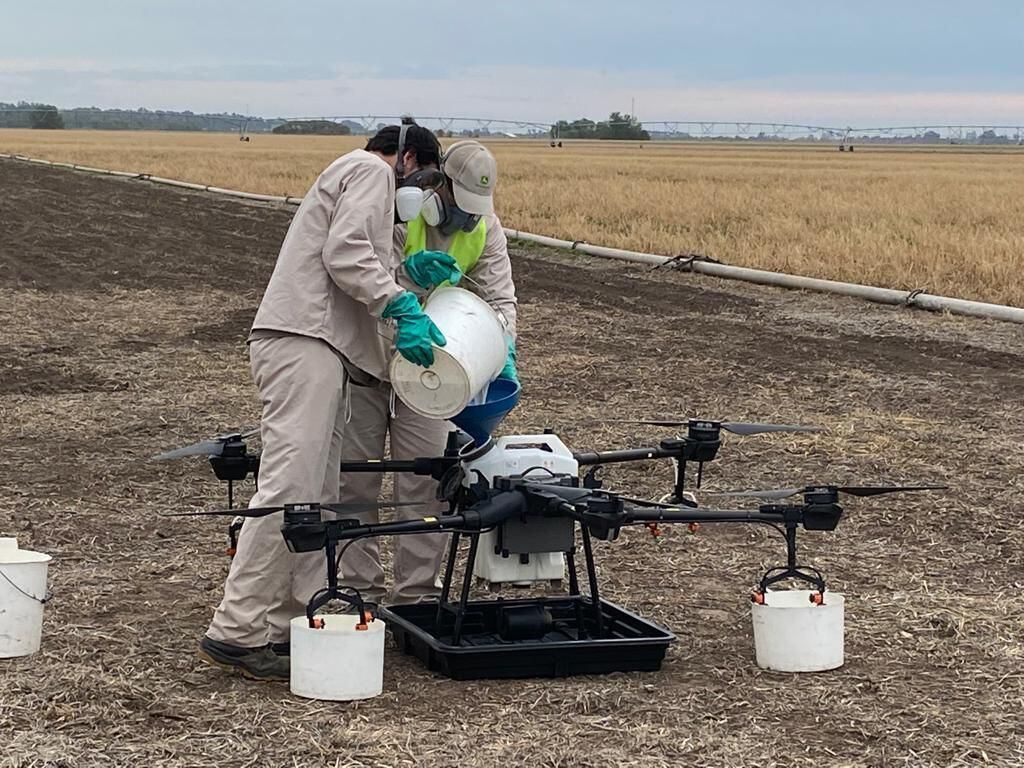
x=446, y=217
x=433, y=209
x=413, y=196
x=409, y=202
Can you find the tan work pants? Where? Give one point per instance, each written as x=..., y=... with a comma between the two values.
x=417, y=557
x=302, y=383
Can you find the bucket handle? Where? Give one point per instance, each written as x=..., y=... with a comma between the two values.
x=41, y=600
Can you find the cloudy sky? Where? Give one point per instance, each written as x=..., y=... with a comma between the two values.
x=863, y=63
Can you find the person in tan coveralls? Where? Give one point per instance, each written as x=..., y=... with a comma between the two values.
x=462, y=224
x=316, y=330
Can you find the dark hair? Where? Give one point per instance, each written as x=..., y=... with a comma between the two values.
x=417, y=139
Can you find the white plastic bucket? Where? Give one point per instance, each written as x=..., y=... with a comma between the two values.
x=472, y=357
x=792, y=634
x=337, y=662
x=22, y=591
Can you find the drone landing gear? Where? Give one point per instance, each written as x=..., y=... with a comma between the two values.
x=558, y=636
x=793, y=571
x=586, y=608
x=333, y=592
x=233, y=465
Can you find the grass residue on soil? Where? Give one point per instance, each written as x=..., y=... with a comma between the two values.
x=122, y=337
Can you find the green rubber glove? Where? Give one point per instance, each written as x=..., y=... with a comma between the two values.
x=509, y=371
x=416, y=331
x=430, y=268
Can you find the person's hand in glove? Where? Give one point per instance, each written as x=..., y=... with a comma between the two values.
x=509, y=371
x=416, y=331
x=430, y=268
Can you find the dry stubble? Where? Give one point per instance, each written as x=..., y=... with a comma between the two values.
x=945, y=219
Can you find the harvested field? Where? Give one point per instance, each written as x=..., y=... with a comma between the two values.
x=124, y=308
x=946, y=218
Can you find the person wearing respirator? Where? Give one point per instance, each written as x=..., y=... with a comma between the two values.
x=315, y=335
x=453, y=216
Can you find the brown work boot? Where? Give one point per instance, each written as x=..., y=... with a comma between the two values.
x=253, y=663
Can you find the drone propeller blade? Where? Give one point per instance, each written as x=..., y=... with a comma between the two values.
x=349, y=506
x=780, y=493
x=370, y=506
x=241, y=512
x=656, y=422
x=878, y=490
x=241, y=434
x=742, y=428
x=752, y=428
x=643, y=504
x=651, y=504
x=214, y=446
x=202, y=448
x=852, y=490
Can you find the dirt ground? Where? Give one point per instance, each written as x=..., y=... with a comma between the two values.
x=123, y=309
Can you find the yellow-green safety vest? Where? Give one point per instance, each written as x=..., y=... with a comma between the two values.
x=466, y=247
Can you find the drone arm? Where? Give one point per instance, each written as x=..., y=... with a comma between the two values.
x=483, y=515
x=418, y=525
x=379, y=465
x=433, y=466
x=618, y=457
x=636, y=515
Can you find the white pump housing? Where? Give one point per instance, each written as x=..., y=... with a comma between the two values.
x=540, y=456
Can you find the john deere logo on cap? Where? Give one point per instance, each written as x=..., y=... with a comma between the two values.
x=485, y=180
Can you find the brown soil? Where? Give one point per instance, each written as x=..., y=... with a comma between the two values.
x=123, y=309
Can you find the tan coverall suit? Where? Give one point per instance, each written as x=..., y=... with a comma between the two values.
x=416, y=558
x=333, y=278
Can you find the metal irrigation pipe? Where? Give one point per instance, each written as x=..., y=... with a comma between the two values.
x=779, y=279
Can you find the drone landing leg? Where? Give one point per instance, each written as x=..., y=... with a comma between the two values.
x=595, y=600
x=231, y=494
x=467, y=580
x=574, y=592
x=446, y=586
x=792, y=570
x=324, y=596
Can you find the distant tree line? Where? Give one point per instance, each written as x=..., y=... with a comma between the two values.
x=617, y=126
x=26, y=114
x=31, y=115
x=163, y=120
x=313, y=127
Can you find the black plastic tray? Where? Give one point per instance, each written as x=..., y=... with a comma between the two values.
x=630, y=643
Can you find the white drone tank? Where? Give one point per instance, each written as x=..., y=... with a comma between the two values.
x=541, y=456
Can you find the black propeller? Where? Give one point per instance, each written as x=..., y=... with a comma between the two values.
x=852, y=490
x=743, y=428
x=213, y=446
x=342, y=507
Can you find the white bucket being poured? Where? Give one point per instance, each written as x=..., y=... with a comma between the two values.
x=337, y=662
x=472, y=357
x=22, y=594
x=792, y=634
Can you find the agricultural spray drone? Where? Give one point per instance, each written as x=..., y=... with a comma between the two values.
x=521, y=503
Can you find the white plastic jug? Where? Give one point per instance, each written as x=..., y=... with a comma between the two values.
x=472, y=357
x=792, y=634
x=22, y=592
x=337, y=662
